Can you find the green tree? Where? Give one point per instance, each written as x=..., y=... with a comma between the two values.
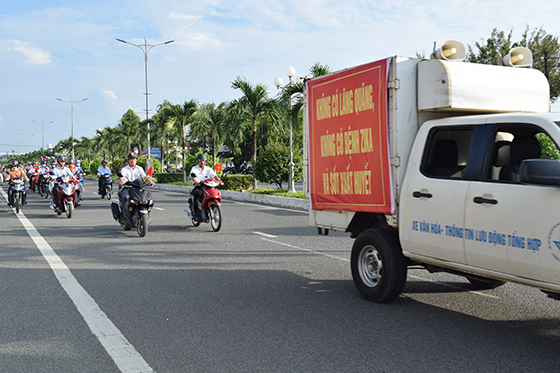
x=254, y=109
x=178, y=117
x=84, y=148
x=208, y=121
x=544, y=47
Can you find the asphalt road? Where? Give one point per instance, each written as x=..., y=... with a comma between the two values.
x=265, y=294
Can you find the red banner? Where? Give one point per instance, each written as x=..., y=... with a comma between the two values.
x=348, y=141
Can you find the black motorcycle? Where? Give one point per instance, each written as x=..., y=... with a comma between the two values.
x=138, y=207
x=106, y=186
x=16, y=191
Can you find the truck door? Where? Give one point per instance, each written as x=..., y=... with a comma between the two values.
x=511, y=227
x=432, y=207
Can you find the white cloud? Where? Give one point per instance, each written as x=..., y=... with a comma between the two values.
x=110, y=94
x=35, y=56
x=188, y=17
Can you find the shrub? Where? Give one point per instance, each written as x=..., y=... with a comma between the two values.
x=117, y=164
x=95, y=163
x=272, y=165
x=237, y=182
x=170, y=177
x=157, y=164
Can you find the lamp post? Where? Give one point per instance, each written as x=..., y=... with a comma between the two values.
x=43, y=132
x=72, y=102
x=26, y=137
x=290, y=72
x=145, y=49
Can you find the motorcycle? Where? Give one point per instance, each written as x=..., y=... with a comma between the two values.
x=106, y=186
x=33, y=181
x=16, y=193
x=209, y=209
x=138, y=205
x=67, y=193
x=79, y=184
x=43, y=186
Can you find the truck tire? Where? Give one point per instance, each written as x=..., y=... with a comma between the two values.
x=378, y=265
x=481, y=283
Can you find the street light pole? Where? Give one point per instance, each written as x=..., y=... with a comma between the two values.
x=26, y=137
x=290, y=72
x=145, y=49
x=43, y=132
x=72, y=102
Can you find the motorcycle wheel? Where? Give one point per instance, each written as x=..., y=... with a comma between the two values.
x=215, y=217
x=108, y=192
x=17, y=202
x=142, y=226
x=69, y=207
x=40, y=191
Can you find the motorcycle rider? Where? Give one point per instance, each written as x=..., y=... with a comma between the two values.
x=33, y=170
x=76, y=173
x=102, y=171
x=201, y=172
x=130, y=173
x=16, y=172
x=59, y=170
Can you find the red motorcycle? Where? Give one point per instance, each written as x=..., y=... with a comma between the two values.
x=209, y=209
x=33, y=181
x=67, y=193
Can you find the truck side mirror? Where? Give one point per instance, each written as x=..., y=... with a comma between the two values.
x=540, y=172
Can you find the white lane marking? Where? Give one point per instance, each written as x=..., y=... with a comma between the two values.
x=159, y=208
x=266, y=235
x=117, y=346
x=308, y=250
x=409, y=275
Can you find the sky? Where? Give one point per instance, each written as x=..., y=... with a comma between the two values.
x=67, y=50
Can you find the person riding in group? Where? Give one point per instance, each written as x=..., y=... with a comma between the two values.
x=33, y=170
x=16, y=172
x=131, y=173
x=59, y=170
x=199, y=173
x=102, y=171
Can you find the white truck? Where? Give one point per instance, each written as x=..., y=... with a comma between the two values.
x=437, y=163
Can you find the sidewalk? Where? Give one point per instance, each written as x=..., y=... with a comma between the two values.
x=284, y=202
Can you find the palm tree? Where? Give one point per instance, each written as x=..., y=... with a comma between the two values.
x=208, y=121
x=133, y=130
x=159, y=132
x=84, y=147
x=255, y=108
x=177, y=118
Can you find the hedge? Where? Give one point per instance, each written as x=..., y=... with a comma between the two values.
x=170, y=177
x=237, y=182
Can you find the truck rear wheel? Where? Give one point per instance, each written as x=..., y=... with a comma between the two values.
x=378, y=265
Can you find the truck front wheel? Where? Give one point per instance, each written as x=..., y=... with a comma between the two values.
x=378, y=265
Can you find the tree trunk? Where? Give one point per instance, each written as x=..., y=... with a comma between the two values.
x=214, y=146
x=184, y=165
x=254, y=157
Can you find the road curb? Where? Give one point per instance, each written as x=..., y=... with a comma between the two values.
x=262, y=199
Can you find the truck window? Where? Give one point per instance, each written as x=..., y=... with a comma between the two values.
x=512, y=145
x=447, y=152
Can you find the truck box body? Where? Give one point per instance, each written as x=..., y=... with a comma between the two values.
x=356, y=158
